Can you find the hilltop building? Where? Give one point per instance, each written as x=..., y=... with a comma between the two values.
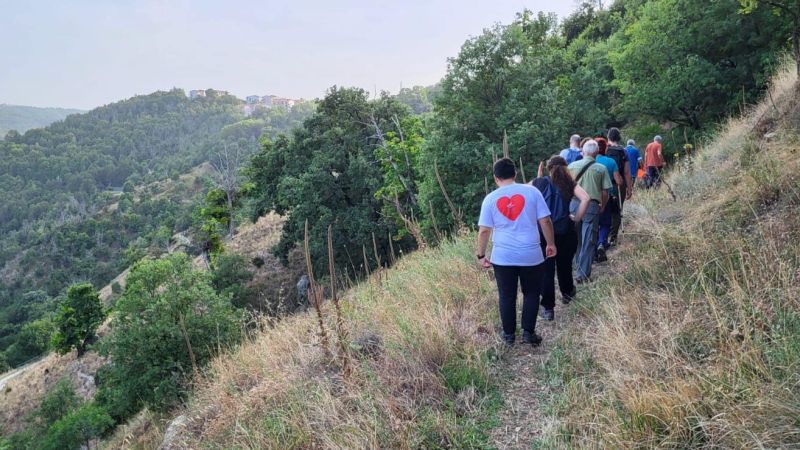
x=197, y=93
x=254, y=102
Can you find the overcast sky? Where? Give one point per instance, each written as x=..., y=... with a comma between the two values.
x=86, y=53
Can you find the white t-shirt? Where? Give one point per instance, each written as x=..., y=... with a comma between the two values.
x=514, y=212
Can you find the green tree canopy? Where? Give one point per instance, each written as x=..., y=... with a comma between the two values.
x=78, y=317
x=168, y=323
x=328, y=173
x=690, y=62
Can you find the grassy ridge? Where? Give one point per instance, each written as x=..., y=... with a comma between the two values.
x=426, y=384
x=695, y=342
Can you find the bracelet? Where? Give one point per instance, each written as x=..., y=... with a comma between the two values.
x=481, y=256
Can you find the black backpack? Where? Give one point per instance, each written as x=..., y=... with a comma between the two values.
x=618, y=154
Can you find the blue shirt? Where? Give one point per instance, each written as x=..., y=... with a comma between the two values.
x=612, y=167
x=634, y=156
x=571, y=155
x=513, y=212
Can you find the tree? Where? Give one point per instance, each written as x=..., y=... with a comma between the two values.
x=169, y=322
x=227, y=167
x=782, y=8
x=506, y=81
x=32, y=340
x=329, y=173
x=78, y=428
x=79, y=315
x=210, y=222
x=415, y=98
x=690, y=62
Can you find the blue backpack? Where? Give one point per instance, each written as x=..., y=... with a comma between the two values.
x=559, y=206
x=573, y=155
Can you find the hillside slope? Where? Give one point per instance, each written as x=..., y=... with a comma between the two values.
x=22, y=390
x=23, y=118
x=82, y=198
x=692, y=340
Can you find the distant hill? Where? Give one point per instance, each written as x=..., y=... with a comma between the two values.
x=23, y=118
x=64, y=215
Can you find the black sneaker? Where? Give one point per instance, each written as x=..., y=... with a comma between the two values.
x=548, y=314
x=531, y=338
x=600, y=256
x=565, y=299
x=507, y=338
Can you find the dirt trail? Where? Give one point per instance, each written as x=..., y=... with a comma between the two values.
x=522, y=420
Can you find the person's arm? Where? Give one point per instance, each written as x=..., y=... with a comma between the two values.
x=617, y=178
x=547, y=229
x=628, y=180
x=483, y=242
x=584, y=198
x=540, y=173
x=603, y=200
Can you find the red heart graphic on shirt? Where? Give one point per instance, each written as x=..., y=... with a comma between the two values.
x=511, y=207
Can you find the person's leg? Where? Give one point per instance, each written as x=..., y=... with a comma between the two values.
x=604, y=227
x=578, y=227
x=566, y=244
x=548, y=287
x=616, y=220
x=531, y=280
x=588, y=238
x=651, y=176
x=506, y=277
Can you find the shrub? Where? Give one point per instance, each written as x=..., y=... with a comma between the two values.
x=230, y=277
x=57, y=403
x=78, y=428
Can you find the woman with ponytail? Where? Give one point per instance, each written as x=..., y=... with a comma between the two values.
x=558, y=189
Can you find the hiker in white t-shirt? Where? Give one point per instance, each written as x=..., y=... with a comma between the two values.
x=510, y=214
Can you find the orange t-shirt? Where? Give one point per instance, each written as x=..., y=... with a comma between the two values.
x=653, y=156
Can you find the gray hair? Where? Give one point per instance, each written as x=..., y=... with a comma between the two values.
x=631, y=142
x=657, y=138
x=576, y=139
x=590, y=148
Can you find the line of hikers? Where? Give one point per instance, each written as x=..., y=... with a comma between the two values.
x=571, y=213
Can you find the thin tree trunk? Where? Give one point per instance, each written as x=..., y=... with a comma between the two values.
x=231, y=226
x=188, y=346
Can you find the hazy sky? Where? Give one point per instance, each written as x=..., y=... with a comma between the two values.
x=86, y=53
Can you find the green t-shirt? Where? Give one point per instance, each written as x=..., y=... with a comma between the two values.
x=595, y=180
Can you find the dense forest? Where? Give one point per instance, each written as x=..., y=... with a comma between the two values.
x=386, y=174
x=23, y=118
x=82, y=199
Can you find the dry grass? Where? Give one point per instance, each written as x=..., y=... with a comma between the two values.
x=23, y=394
x=420, y=380
x=696, y=342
